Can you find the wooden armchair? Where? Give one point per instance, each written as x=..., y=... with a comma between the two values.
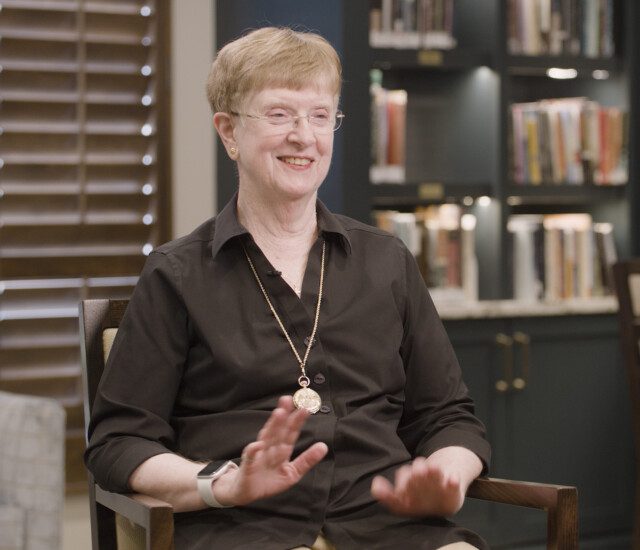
x=627, y=282
x=150, y=521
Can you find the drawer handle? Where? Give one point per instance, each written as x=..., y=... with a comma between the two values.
x=506, y=343
x=524, y=341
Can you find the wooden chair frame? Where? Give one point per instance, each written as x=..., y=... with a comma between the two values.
x=156, y=517
x=630, y=345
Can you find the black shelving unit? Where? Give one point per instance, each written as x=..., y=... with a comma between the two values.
x=458, y=128
x=458, y=114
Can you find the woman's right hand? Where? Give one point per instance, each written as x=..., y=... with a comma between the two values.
x=266, y=468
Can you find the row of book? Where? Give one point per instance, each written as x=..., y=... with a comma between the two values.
x=561, y=27
x=411, y=24
x=442, y=239
x=568, y=141
x=560, y=256
x=388, y=133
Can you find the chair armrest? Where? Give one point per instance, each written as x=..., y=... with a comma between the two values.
x=520, y=493
x=154, y=515
x=559, y=501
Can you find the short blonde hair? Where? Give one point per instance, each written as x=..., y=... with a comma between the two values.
x=279, y=57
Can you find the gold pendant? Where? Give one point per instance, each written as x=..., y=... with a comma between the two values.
x=306, y=398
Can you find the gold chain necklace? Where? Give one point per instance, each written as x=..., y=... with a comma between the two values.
x=305, y=397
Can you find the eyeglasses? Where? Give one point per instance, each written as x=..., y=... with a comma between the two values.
x=283, y=121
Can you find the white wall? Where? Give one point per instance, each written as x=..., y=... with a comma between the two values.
x=193, y=173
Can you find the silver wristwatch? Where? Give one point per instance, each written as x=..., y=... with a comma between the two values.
x=207, y=476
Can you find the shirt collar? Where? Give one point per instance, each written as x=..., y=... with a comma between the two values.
x=227, y=226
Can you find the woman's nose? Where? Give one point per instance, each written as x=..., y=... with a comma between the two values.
x=302, y=130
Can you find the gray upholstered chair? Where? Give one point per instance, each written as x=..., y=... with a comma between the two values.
x=32, y=465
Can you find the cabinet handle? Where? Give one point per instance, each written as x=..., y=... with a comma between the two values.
x=524, y=341
x=506, y=343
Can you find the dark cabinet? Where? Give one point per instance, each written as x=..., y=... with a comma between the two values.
x=552, y=393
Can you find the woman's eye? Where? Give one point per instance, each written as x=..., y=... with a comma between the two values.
x=278, y=115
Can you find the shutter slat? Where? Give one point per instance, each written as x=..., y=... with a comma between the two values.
x=83, y=179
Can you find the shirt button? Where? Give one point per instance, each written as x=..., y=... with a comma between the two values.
x=307, y=340
x=319, y=378
x=325, y=409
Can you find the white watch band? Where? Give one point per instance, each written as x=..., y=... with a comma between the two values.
x=205, y=484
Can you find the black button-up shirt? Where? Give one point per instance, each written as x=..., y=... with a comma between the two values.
x=199, y=362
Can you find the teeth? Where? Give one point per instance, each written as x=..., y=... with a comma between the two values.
x=297, y=161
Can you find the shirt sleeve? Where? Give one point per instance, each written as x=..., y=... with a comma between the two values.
x=130, y=421
x=438, y=410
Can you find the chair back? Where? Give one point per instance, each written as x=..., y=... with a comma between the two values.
x=98, y=321
x=626, y=276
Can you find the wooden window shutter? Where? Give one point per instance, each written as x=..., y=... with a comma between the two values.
x=84, y=179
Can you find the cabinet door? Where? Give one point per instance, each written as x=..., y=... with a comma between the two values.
x=482, y=360
x=570, y=424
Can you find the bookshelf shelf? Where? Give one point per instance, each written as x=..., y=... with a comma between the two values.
x=537, y=65
x=420, y=60
x=564, y=194
x=392, y=195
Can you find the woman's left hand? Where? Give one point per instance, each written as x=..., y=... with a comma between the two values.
x=433, y=486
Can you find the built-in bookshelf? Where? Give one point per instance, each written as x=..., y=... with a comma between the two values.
x=535, y=125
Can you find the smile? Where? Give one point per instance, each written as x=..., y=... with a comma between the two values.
x=297, y=161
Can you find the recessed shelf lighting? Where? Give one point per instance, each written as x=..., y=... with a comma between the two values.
x=561, y=74
x=600, y=74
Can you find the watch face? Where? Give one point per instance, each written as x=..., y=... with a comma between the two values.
x=211, y=468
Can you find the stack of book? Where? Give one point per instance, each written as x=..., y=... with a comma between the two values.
x=561, y=27
x=411, y=24
x=442, y=239
x=560, y=256
x=388, y=133
x=568, y=141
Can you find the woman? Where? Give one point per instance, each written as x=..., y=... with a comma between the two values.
x=288, y=358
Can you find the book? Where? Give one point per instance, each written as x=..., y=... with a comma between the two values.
x=568, y=141
x=528, y=277
x=388, y=134
x=560, y=256
x=412, y=24
x=442, y=239
x=561, y=27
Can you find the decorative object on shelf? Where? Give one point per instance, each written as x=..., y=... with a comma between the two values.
x=412, y=24
x=568, y=141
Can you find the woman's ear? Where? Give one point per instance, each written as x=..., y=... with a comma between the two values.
x=223, y=123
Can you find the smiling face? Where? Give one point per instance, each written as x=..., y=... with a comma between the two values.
x=284, y=163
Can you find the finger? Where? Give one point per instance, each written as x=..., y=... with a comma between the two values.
x=272, y=426
x=383, y=491
x=286, y=402
x=294, y=425
x=250, y=454
x=402, y=477
x=309, y=458
x=381, y=488
x=287, y=418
